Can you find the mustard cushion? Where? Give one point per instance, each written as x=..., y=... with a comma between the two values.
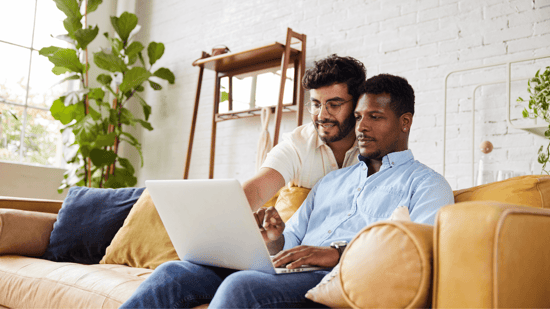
x=530, y=190
x=142, y=241
x=388, y=265
x=329, y=291
x=287, y=201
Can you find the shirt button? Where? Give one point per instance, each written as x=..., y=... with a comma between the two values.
x=364, y=168
x=329, y=231
x=349, y=215
x=358, y=189
x=393, y=163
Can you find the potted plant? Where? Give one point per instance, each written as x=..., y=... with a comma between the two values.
x=539, y=107
x=98, y=126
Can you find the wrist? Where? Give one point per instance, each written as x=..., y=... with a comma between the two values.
x=340, y=246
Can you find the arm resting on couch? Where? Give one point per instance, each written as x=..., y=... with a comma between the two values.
x=25, y=232
x=491, y=255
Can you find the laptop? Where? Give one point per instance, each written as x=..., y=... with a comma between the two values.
x=210, y=223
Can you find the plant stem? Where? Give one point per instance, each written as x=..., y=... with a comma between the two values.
x=87, y=101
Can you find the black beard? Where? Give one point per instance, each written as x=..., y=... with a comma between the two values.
x=343, y=129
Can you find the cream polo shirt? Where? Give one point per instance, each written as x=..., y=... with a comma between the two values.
x=303, y=158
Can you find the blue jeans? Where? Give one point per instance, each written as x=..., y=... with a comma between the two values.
x=182, y=284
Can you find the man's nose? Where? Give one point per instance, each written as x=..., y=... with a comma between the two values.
x=323, y=113
x=361, y=125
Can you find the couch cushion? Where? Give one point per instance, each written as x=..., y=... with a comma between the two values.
x=289, y=200
x=530, y=190
x=329, y=291
x=87, y=222
x=35, y=283
x=142, y=241
x=388, y=264
x=25, y=232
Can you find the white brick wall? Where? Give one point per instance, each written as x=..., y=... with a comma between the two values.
x=420, y=40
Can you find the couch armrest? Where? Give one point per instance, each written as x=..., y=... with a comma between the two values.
x=50, y=206
x=491, y=255
x=25, y=232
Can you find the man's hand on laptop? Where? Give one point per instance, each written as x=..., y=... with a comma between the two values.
x=270, y=223
x=307, y=255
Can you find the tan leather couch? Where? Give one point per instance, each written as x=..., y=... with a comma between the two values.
x=489, y=251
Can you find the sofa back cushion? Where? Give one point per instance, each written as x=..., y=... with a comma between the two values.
x=87, y=222
x=530, y=190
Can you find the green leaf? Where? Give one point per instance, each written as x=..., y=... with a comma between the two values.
x=126, y=117
x=525, y=113
x=60, y=70
x=49, y=51
x=92, y=5
x=145, y=124
x=102, y=157
x=85, y=130
x=134, y=49
x=124, y=25
x=85, y=36
x=105, y=140
x=155, y=86
x=224, y=96
x=104, y=79
x=125, y=163
x=72, y=25
x=121, y=179
x=109, y=62
x=96, y=94
x=134, y=142
x=165, y=74
x=146, y=107
x=133, y=78
x=71, y=77
x=155, y=51
x=66, y=114
x=116, y=44
x=69, y=7
x=66, y=58
x=95, y=114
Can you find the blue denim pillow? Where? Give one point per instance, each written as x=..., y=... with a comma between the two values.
x=87, y=222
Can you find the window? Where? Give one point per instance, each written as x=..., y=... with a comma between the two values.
x=28, y=133
x=257, y=90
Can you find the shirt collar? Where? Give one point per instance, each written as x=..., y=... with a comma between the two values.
x=393, y=159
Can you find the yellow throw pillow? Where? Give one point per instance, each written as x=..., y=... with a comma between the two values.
x=530, y=190
x=388, y=265
x=287, y=201
x=290, y=199
x=142, y=241
x=329, y=291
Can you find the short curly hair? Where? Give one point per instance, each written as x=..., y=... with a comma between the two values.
x=399, y=89
x=335, y=69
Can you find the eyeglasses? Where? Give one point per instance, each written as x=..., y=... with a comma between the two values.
x=333, y=108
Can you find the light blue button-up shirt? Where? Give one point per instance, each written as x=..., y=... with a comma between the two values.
x=347, y=200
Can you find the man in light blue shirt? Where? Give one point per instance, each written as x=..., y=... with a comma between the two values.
x=338, y=207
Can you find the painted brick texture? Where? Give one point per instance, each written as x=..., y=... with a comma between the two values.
x=420, y=40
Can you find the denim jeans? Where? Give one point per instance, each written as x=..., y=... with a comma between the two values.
x=182, y=284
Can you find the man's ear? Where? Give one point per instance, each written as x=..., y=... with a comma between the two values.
x=406, y=122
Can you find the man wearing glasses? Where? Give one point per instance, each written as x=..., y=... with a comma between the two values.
x=326, y=144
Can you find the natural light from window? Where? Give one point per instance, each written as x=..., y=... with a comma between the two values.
x=28, y=133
